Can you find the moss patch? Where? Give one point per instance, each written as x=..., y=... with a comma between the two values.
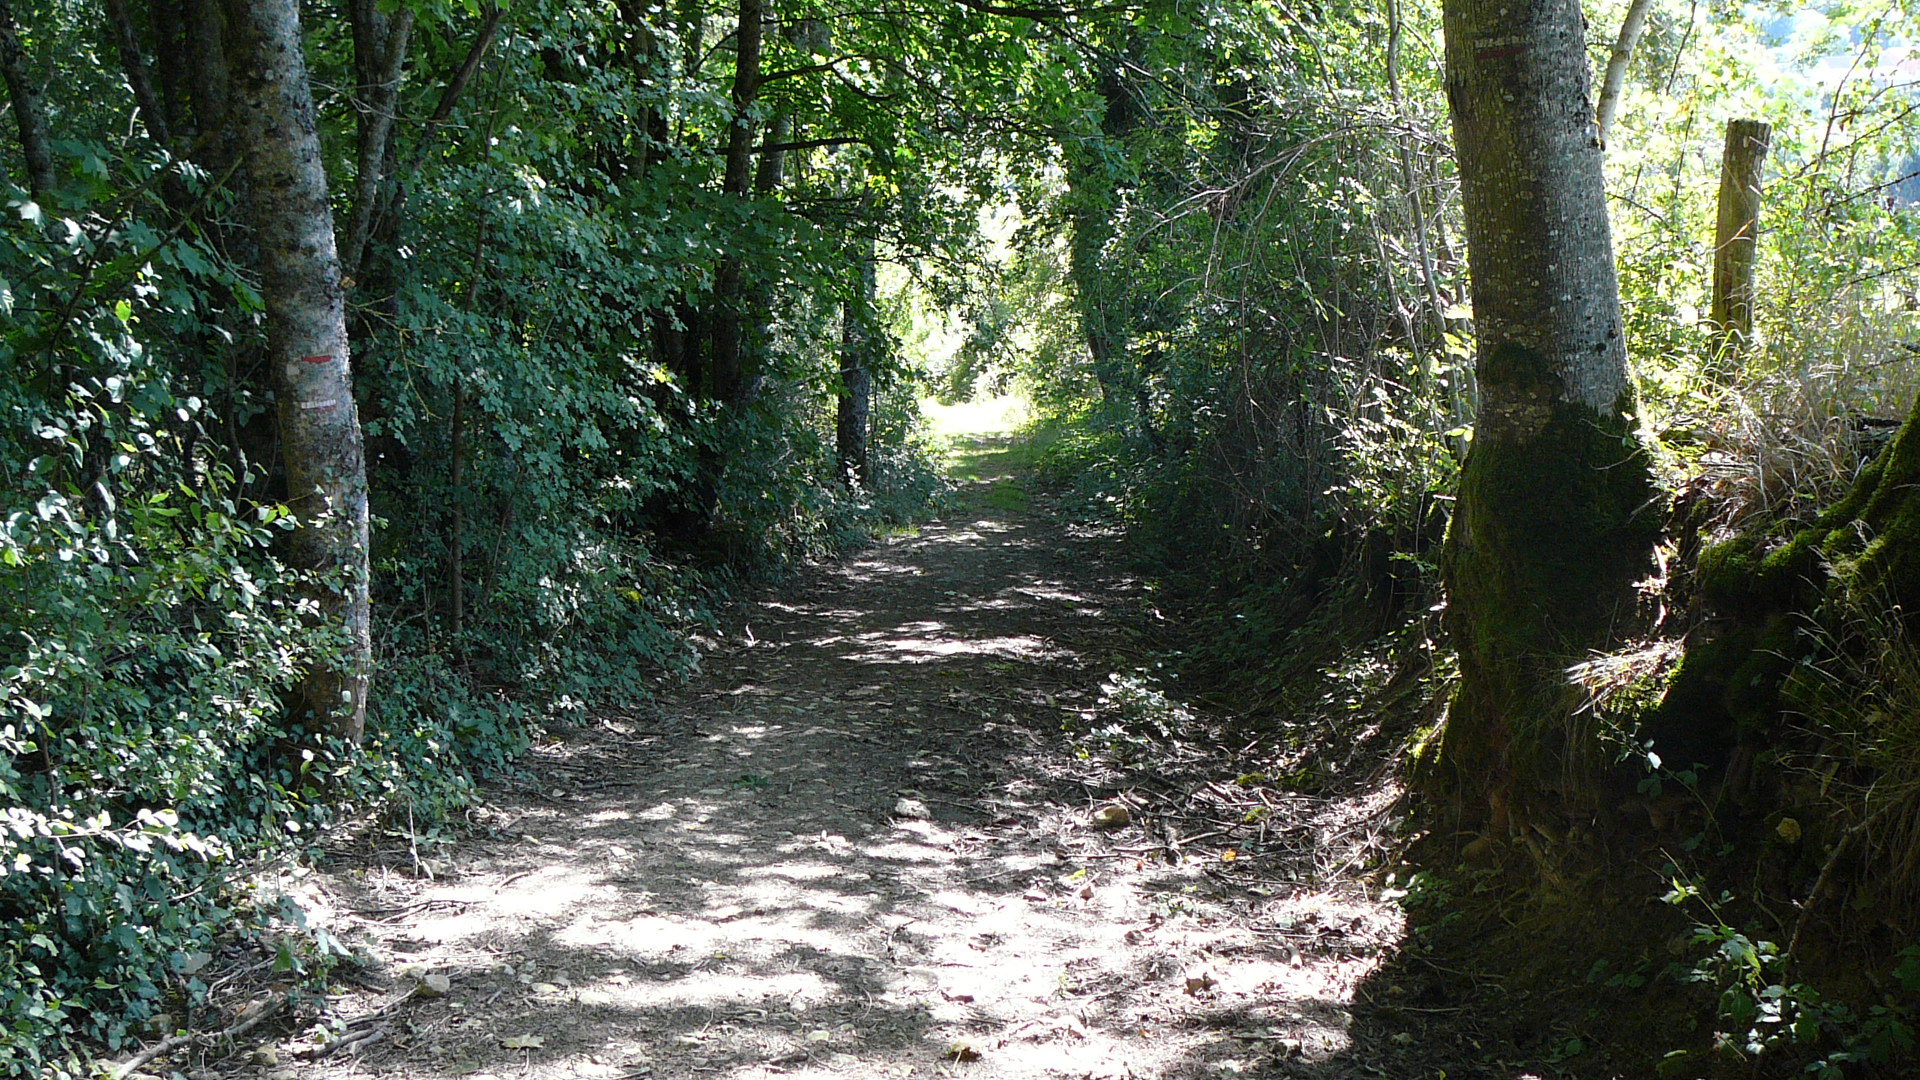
x=1555, y=522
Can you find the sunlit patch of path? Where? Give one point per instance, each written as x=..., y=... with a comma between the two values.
x=846, y=851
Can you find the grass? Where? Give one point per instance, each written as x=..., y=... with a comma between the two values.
x=986, y=447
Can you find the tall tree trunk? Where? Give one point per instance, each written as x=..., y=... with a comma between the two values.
x=858, y=336
x=307, y=346
x=392, y=201
x=1093, y=196
x=379, y=55
x=1554, y=521
x=207, y=78
x=169, y=48
x=29, y=108
x=650, y=134
x=152, y=113
x=726, y=369
x=1736, y=240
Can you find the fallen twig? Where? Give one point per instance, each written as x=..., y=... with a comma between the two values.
x=248, y=1020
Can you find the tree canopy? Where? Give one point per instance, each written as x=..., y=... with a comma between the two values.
x=389, y=379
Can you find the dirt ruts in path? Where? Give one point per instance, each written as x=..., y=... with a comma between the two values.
x=858, y=846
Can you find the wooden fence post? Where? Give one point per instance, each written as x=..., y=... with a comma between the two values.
x=1735, y=242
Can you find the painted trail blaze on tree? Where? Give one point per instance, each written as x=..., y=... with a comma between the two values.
x=1555, y=519
x=306, y=344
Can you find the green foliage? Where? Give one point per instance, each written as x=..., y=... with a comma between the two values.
x=1763, y=1009
x=530, y=439
x=146, y=631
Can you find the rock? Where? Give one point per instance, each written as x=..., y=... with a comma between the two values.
x=433, y=985
x=911, y=808
x=1110, y=816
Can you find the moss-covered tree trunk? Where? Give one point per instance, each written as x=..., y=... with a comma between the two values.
x=306, y=345
x=1553, y=523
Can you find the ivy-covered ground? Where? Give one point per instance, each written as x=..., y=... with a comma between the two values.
x=924, y=814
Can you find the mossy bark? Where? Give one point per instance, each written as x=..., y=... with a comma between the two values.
x=1872, y=538
x=1550, y=533
x=1761, y=590
x=1555, y=517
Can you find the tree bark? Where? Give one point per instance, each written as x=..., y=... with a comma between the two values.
x=1614, y=83
x=169, y=46
x=1093, y=195
x=379, y=55
x=307, y=347
x=650, y=134
x=726, y=368
x=1554, y=518
x=853, y=404
x=152, y=113
x=208, y=82
x=29, y=107
x=1736, y=240
x=392, y=201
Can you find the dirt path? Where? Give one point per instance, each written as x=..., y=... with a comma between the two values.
x=860, y=846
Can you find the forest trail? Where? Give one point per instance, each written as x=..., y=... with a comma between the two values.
x=860, y=845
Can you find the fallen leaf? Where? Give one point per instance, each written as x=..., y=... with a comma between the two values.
x=821, y=1035
x=962, y=1050
x=911, y=808
x=1110, y=816
x=523, y=1042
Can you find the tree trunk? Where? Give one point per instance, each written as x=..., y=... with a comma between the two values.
x=726, y=368
x=1736, y=241
x=29, y=108
x=392, y=201
x=169, y=48
x=1614, y=84
x=858, y=336
x=650, y=135
x=1554, y=521
x=379, y=55
x=307, y=347
x=152, y=113
x=1092, y=196
x=208, y=82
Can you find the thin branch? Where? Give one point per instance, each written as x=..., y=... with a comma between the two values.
x=441, y=112
x=1615, y=82
x=247, y=1022
x=1042, y=13
x=807, y=144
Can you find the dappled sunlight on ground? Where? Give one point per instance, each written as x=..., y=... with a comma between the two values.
x=851, y=850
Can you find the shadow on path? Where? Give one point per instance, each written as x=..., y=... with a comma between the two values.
x=859, y=845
